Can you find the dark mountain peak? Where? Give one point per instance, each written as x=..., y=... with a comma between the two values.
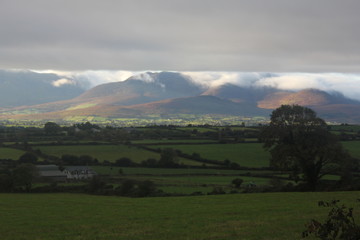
x=170, y=81
x=143, y=88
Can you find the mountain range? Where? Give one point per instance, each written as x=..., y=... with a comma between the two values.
x=18, y=88
x=162, y=94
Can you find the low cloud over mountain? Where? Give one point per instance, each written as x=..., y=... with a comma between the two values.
x=142, y=94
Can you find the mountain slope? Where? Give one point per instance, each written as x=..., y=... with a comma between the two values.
x=19, y=88
x=199, y=105
x=306, y=97
x=147, y=87
x=168, y=93
x=240, y=94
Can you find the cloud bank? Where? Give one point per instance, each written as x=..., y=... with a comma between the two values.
x=181, y=35
x=345, y=83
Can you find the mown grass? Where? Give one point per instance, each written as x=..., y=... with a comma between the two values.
x=241, y=216
x=10, y=153
x=245, y=154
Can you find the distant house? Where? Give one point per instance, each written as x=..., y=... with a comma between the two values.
x=51, y=173
x=79, y=172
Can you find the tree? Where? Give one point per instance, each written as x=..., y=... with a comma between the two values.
x=124, y=162
x=24, y=175
x=168, y=158
x=298, y=140
x=51, y=128
x=237, y=182
x=28, y=157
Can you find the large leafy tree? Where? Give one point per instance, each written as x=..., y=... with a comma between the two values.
x=298, y=140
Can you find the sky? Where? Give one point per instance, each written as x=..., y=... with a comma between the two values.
x=181, y=35
x=288, y=44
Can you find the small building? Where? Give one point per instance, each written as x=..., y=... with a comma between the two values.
x=79, y=172
x=51, y=173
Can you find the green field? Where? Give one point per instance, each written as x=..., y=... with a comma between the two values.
x=241, y=216
x=169, y=171
x=187, y=181
x=10, y=153
x=353, y=147
x=107, y=152
x=101, y=152
x=172, y=141
x=245, y=154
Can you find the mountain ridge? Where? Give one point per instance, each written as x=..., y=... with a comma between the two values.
x=167, y=93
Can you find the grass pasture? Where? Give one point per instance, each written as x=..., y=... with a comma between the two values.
x=101, y=152
x=245, y=154
x=172, y=141
x=267, y=216
x=10, y=153
x=353, y=147
x=106, y=170
x=187, y=181
x=107, y=152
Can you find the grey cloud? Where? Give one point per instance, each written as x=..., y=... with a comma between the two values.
x=229, y=35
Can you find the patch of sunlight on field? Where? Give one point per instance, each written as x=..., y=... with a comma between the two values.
x=82, y=106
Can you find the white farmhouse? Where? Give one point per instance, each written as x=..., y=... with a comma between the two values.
x=79, y=172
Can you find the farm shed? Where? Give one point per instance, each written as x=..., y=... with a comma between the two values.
x=51, y=173
x=79, y=172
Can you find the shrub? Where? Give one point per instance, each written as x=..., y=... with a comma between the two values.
x=340, y=224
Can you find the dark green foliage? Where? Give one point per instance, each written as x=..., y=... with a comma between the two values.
x=96, y=185
x=150, y=162
x=237, y=182
x=51, y=128
x=23, y=176
x=217, y=191
x=131, y=188
x=168, y=158
x=126, y=188
x=300, y=141
x=145, y=188
x=124, y=162
x=73, y=160
x=6, y=182
x=28, y=157
x=86, y=126
x=339, y=224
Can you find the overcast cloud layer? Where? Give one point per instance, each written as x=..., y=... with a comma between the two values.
x=181, y=35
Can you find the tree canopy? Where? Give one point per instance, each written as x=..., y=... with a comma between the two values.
x=298, y=140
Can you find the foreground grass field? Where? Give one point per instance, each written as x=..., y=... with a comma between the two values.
x=241, y=216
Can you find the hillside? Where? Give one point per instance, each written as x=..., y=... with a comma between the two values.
x=306, y=97
x=169, y=93
x=143, y=88
x=18, y=88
